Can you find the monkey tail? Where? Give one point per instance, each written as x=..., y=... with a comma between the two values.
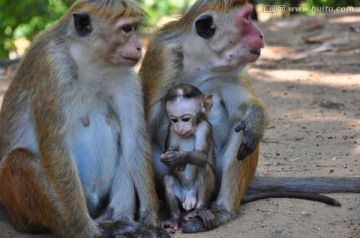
x=306, y=196
x=304, y=185
x=195, y=225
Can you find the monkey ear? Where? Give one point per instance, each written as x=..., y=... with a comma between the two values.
x=82, y=23
x=204, y=26
x=207, y=103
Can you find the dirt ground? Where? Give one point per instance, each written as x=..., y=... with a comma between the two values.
x=309, y=77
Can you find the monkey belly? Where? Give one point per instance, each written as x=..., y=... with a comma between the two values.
x=95, y=149
x=187, y=178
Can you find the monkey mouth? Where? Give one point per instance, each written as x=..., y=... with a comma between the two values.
x=186, y=135
x=135, y=60
x=256, y=52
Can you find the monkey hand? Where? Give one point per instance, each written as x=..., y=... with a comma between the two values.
x=205, y=215
x=172, y=159
x=253, y=126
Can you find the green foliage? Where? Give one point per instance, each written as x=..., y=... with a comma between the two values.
x=26, y=18
x=159, y=8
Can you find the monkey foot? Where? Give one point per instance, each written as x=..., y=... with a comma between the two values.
x=171, y=223
x=206, y=216
x=192, y=222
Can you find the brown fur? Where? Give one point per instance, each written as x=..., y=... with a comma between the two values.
x=52, y=105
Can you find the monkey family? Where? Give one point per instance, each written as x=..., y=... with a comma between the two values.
x=68, y=164
x=209, y=48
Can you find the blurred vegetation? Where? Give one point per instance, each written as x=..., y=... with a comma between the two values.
x=26, y=18
x=23, y=19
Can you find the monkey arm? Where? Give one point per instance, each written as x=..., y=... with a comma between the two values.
x=172, y=140
x=181, y=158
x=252, y=124
x=56, y=160
x=195, y=157
x=203, y=143
x=136, y=151
x=199, y=156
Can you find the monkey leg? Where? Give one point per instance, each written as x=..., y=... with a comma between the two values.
x=26, y=195
x=205, y=186
x=173, y=193
x=235, y=177
x=118, y=219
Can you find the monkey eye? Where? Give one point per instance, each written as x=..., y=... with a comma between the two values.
x=127, y=28
x=186, y=119
x=174, y=120
x=247, y=18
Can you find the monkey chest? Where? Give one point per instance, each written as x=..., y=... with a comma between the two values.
x=188, y=176
x=95, y=149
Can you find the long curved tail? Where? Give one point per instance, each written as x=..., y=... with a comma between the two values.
x=306, y=196
x=304, y=185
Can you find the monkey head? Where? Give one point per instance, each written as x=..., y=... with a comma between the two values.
x=115, y=43
x=184, y=113
x=223, y=41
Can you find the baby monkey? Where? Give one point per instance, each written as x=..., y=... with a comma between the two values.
x=189, y=154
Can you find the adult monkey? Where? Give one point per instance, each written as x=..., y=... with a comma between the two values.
x=69, y=164
x=209, y=47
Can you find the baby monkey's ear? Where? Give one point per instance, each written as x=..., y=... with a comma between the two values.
x=207, y=104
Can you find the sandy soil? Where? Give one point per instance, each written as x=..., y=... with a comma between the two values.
x=309, y=77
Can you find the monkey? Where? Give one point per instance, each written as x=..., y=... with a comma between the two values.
x=68, y=162
x=189, y=154
x=210, y=47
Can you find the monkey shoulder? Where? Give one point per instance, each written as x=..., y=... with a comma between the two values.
x=203, y=127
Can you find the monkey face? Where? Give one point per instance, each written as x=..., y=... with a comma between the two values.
x=123, y=45
x=223, y=41
x=183, y=114
x=117, y=43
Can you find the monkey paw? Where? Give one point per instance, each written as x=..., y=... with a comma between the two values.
x=249, y=143
x=205, y=215
x=171, y=223
x=253, y=126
